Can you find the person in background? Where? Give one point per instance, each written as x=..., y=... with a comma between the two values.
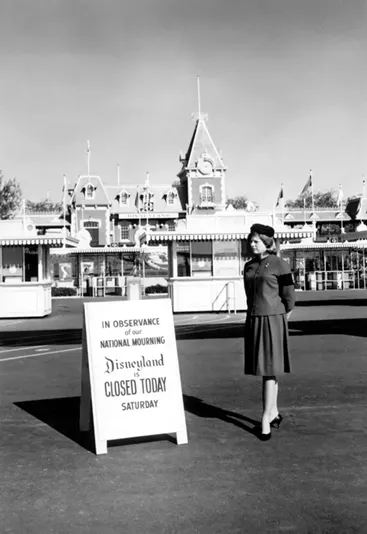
x=270, y=296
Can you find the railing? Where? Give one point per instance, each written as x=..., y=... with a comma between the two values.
x=228, y=297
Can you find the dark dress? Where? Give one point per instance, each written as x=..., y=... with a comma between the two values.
x=270, y=296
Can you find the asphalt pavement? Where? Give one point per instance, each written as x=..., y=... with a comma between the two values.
x=311, y=477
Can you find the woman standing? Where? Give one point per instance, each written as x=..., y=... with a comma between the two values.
x=270, y=296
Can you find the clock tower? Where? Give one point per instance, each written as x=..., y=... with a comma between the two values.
x=202, y=175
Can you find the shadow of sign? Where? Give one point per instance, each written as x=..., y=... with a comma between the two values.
x=62, y=414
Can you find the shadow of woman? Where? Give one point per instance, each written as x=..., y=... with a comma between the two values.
x=202, y=409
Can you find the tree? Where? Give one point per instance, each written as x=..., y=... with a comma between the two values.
x=43, y=206
x=242, y=203
x=10, y=198
x=328, y=199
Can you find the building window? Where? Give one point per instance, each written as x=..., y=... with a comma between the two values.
x=226, y=258
x=202, y=258
x=206, y=193
x=124, y=197
x=93, y=229
x=147, y=201
x=171, y=226
x=124, y=232
x=171, y=198
x=89, y=191
x=12, y=264
x=183, y=259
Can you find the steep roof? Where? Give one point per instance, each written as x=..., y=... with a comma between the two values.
x=159, y=193
x=357, y=208
x=202, y=143
x=100, y=195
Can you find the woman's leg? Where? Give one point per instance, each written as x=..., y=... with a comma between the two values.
x=275, y=411
x=270, y=392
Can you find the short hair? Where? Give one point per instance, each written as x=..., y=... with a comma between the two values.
x=268, y=241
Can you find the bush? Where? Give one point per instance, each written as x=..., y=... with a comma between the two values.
x=63, y=291
x=150, y=290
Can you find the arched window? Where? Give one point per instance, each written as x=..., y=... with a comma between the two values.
x=93, y=229
x=206, y=193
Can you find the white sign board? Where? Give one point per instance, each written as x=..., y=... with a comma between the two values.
x=130, y=371
x=148, y=215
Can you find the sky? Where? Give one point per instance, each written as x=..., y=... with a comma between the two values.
x=284, y=83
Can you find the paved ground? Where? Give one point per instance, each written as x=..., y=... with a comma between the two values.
x=310, y=478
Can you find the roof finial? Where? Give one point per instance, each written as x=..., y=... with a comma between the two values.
x=147, y=182
x=199, y=99
x=199, y=115
x=88, y=156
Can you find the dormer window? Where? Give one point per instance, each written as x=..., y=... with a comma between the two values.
x=170, y=196
x=124, y=198
x=147, y=201
x=89, y=191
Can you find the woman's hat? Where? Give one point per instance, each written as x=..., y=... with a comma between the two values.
x=262, y=229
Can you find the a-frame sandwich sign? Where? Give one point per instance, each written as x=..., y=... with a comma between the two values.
x=131, y=382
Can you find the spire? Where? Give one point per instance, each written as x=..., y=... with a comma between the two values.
x=199, y=115
x=199, y=99
x=147, y=180
x=202, y=146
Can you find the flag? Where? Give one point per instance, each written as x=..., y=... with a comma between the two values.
x=280, y=196
x=307, y=185
x=340, y=195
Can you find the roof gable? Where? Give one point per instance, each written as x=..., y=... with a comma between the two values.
x=99, y=197
x=202, y=144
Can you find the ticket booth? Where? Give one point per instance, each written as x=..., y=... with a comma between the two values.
x=206, y=257
x=25, y=280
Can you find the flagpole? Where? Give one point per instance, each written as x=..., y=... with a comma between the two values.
x=282, y=201
x=341, y=210
x=304, y=210
x=313, y=207
x=363, y=186
x=64, y=208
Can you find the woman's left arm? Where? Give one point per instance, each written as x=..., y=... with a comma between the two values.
x=286, y=286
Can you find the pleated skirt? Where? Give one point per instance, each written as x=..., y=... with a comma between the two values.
x=267, y=345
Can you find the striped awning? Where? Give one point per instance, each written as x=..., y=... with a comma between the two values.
x=325, y=246
x=190, y=236
x=96, y=250
x=37, y=240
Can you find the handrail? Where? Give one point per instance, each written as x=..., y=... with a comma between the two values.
x=231, y=282
x=228, y=298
